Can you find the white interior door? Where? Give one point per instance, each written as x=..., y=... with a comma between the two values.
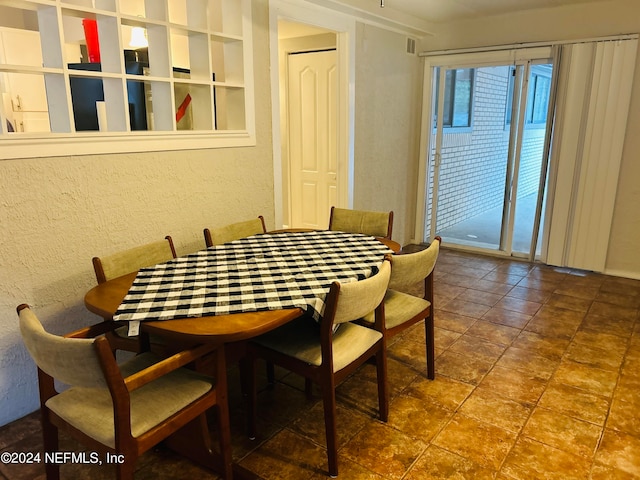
x=313, y=150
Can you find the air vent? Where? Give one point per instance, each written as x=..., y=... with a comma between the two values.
x=411, y=46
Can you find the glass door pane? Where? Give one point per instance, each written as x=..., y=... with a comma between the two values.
x=473, y=156
x=488, y=149
x=531, y=156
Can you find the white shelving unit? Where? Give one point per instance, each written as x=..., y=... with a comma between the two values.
x=196, y=75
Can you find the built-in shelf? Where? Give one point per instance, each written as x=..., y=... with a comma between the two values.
x=193, y=81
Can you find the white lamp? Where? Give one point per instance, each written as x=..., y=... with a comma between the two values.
x=138, y=38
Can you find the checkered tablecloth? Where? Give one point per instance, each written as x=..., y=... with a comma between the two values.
x=262, y=272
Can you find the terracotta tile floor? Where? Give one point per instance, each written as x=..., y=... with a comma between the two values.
x=538, y=376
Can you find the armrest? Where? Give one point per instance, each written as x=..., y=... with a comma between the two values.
x=157, y=370
x=93, y=330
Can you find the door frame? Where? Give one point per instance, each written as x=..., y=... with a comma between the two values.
x=345, y=27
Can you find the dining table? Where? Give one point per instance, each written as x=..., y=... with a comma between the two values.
x=227, y=294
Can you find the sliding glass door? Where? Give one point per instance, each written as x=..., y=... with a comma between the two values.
x=488, y=145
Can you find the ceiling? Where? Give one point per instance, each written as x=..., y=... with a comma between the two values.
x=425, y=15
x=439, y=11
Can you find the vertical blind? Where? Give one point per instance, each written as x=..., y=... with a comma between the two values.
x=594, y=89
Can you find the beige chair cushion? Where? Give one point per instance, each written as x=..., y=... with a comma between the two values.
x=398, y=308
x=301, y=339
x=128, y=261
x=236, y=231
x=70, y=360
x=91, y=410
x=359, y=221
x=359, y=298
x=411, y=268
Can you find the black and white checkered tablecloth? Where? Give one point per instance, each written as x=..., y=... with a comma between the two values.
x=262, y=272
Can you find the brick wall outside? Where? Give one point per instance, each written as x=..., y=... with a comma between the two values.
x=473, y=168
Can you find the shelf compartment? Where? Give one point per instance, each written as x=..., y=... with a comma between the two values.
x=106, y=5
x=24, y=103
x=230, y=108
x=191, y=13
x=149, y=9
x=189, y=51
x=226, y=16
x=194, y=106
x=99, y=102
x=159, y=105
x=227, y=59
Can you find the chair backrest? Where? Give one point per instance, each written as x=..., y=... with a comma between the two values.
x=128, y=261
x=376, y=224
x=410, y=268
x=357, y=299
x=235, y=231
x=73, y=361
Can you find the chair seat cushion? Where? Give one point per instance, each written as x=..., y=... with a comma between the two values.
x=91, y=410
x=301, y=339
x=399, y=307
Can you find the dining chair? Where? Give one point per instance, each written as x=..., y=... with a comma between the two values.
x=125, y=409
x=127, y=261
x=235, y=231
x=376, y=224
x=402, y=310
x=326, y=355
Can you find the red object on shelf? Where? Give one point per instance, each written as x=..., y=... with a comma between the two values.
x=183, y=108
x=91, y=36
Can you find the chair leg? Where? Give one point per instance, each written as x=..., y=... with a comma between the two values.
x=383, y=384
x=224, y=439
x=50, y=444
x=224, y=428
x=125, y=470
x=430, y=346
x=308, y=388
x=329, y=404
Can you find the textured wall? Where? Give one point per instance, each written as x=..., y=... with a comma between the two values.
x=388, y=95
x=57, y=213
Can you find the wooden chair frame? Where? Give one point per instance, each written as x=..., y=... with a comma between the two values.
x=428, y=316
x=323, y=375
x=116, y=339
x=99, y=269
x=192, y=417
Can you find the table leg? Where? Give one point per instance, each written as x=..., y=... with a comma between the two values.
x=193, y=441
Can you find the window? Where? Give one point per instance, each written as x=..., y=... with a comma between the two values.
x=537, y=95
x=77, y=74
x=458, y=97
x=538, y=101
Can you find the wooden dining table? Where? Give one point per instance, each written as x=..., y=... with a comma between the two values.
x=229, y=330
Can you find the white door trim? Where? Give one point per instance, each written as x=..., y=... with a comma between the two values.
x=345, y=28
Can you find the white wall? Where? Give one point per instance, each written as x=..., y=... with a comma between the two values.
x=572, y=23
x=387, y=126
x=57, y=213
